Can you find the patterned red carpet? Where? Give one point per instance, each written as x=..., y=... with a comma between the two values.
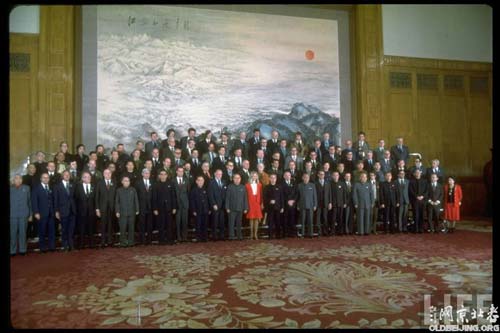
x=348, y=281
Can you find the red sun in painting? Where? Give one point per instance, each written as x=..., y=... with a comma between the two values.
x=309, y=54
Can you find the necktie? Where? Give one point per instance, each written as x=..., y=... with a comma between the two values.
x=321, y=182
x=66, y=187
x=172, y=149
x=218, y=182
x=179, y=180
x=107, y=184
x=401, y=181
x=86, y=189
x=177, y=161
x=154, y=144
x=147, y=185
x=46, y=187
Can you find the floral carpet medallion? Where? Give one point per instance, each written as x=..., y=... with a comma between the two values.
x=266, y=285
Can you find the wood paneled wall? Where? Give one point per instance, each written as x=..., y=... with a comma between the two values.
x=41, y=100
x=442, y=108
x=23, y=91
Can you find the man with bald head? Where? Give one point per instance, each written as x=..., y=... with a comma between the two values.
x=20, y=214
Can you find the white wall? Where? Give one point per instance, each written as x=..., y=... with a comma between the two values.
x=25, y=19
x=455, y=32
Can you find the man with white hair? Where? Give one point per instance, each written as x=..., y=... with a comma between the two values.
x=20, y=214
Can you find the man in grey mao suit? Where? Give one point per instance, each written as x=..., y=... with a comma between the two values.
x=236, y=205
x=127, y=207
x=20, y=214
x=362, y=197
x=307, y=203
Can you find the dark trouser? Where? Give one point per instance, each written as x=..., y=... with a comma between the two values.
x=146, y=225
x=389, y=218
x=433, y=214
x=32, y=231
x=68, y=231
x=306, y=215
x=338, y=225
x=217, y=224
x=234, y=219
x=46, y=229
x=403, y=217
x=165, y=228
x=86, y=225
x=201, y=227
x=289, y=223
x=127, y=223
x=363, y=220
x=181, y=223
x=107, y=231
x=322, y=221
x=348, y=219
x=418, y=214
x=374, y=216
x=273, y=223
x=18, y=226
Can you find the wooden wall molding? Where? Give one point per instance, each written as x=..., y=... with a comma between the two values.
x=442, y=64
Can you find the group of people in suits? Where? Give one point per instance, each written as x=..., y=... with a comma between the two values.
x=220, y=184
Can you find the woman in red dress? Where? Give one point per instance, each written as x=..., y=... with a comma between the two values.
x=254, y=194
x=452, y=202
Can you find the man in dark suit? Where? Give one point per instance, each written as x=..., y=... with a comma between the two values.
x=387, y=163
x=54, y=177
x=294, y=156
x=195, y=162
x=102, y=159
x=191, y=136
x=369, y=161
x=216, y=198
x=254, y=143
x=275, y=168
x=42, y=203
x=164, y=204
x=273, y=200
x=400, y=166
x=168, y=148
x=198, y=203
x=435, y=199
x=65, y=209
x=154, y=143
x=182, y=187
x=274, y=142
x=144, y=189
x=435, y=169
x=245, y=171
x=188, y=150
x=323, y=192
x=237, y=159
x=418, y=165
x=375, y=187
x=339, y=203
x=156, y=160
x=178, y=161
x=316, y=148
x=204, y=142
x=283, y=150
x=40, y=164
x=307, y=203
x=85, y=202
x=74, y=174
x=331, y=158
x=399, y=151
x=326, y=143
x=418, y=197
x=349, y=209
x=259, y=158
x=242, y=144
x=290, y=198
x=80, y=157
x=389, y=201
x=104, y=206
x=227, y=174
x=220, y=161
x=404, y=201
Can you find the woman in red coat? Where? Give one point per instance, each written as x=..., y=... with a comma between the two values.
x=452, y=202
x=254, y=194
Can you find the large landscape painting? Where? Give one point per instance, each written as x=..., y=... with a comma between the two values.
x=175, y=67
